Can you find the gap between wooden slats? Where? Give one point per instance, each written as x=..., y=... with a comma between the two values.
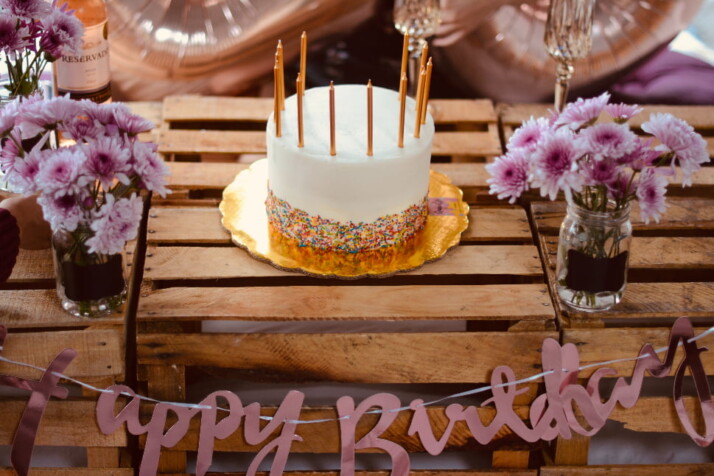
x=630, y=470
x=179, y=263
x=64, y=423
x=325, y=437
x=600, y=345
x=40, y=308
x=365, y=358
x=303, y=303
x=203, y=225
x=99, y=352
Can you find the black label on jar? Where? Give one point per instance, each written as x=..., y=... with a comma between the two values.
x=95, y=281
x=595, y=275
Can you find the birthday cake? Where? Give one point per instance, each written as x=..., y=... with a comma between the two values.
x=349, y=201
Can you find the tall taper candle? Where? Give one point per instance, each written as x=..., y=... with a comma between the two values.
x=370, y=124
x=402, y=107
x=303, y=61
x=301, y=135
x=333, y=150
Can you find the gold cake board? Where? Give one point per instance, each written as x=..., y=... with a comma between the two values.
x=244, y=216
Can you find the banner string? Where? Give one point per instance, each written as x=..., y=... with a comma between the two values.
x=466, y=393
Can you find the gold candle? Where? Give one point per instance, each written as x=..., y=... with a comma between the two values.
x=303, y=61
x=276, y=101
x=427, y=87
x=333, y=150
x=370, y=124
x=301, y=137
x=402, y=107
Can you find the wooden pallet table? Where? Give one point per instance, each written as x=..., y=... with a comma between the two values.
x=193, y=275
x=38, y=330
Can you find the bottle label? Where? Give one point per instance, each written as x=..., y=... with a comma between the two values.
x=87, y=71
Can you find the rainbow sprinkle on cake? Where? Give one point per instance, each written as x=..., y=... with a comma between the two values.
x=332, y=235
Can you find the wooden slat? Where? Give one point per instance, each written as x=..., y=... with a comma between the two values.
x=99, y=352
x=681, y=215
x=324, y=437
x=378, y=358
x=176, y=141
x=64, y=423
x=630, y=470
x=699, y=117
x=33, y=266
x=601, y=345
x=436, y=472
x=179, y=263
x=207, y=109
x=203, y=225
x=26, y=309
x=657, y=415
x=73, y=472
x=660, y=304
x=660, y=252
x=300, y=303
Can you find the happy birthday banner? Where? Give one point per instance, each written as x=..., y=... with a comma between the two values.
x=552, y=414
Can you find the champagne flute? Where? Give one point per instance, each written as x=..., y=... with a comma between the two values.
x=568, y=36
x=419, y=18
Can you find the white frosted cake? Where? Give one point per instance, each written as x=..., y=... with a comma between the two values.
x=350, y=202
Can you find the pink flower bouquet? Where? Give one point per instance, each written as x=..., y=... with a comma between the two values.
x=599, y=166
x=89, y=190
x=32, y=34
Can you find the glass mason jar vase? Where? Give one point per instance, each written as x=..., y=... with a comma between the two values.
x=88, y=284
x=593, y=251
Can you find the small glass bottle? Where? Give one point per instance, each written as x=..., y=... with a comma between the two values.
x=86, y=75
x=593, y=252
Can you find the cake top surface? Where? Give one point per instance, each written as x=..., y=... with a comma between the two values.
x=351, y=124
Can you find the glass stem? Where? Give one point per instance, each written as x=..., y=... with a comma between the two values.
x=564, y=72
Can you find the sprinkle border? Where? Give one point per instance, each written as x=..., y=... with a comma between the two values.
x=328, y=234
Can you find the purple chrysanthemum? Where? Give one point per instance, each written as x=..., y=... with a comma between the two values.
x=643, y=155
x=149, y=167
x=528, y=135
x=107, y=159
x=115, y=224
x=22, y=176
x=509, y=175
x=679, y=138
x=59, y=172
x=608, y=140
x=129, y=123
x=622, y=112
x=36, y=116
x=582, y=112
x=62, y=211
x=12, y=39
x=82, y=129
x=600, y=172
x=62, y=34
x=621, y=186
x=29, y=9
x=555, y=165
x=651, y=192
x=8, y=113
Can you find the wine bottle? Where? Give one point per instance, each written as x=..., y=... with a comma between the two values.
x=86, y=74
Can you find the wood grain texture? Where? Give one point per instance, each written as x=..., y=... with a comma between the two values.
x=202, y=175
x=99, y=352
x=208, y=108
x=670, y=252
x=64, y=423
x=302, y=303
x=377, y=358
x=73, y=472
x=27, y=309
x=202, y=225
x=630, y=470
x=439, y=472
x=324, y=437
x=179, y=263
x=602, y=345
x=33, y=267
